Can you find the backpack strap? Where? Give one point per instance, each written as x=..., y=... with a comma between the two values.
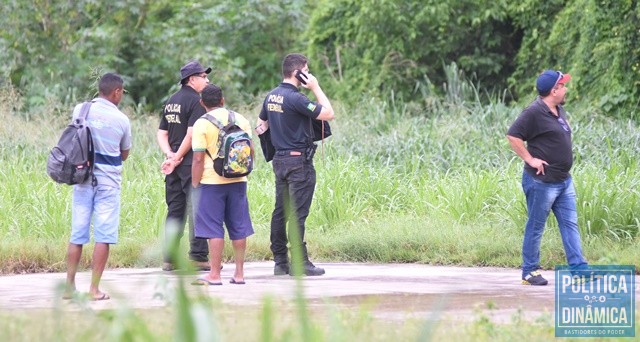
x=92, y=151
x=84, y=111
x=232, y=117
x=213, y=120
x=80, y=120
x=220, y=126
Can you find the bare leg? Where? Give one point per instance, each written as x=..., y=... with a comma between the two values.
x=74, y=252
x=100, y=256
x=239, y=247
x=215, y=259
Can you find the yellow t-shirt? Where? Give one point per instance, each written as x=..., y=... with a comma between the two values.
x=205, y=137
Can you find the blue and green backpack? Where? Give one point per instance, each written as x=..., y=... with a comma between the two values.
x=235, y=148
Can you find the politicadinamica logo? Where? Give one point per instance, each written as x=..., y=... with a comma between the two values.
x=595, y=302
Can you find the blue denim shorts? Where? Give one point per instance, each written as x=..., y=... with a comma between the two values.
x=218, y=203
x=101, y=202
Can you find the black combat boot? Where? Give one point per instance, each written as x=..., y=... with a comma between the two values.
x=311, y=270
x=282, y=265
x=308, y=267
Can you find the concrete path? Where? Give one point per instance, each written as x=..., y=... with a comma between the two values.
x=391, y=291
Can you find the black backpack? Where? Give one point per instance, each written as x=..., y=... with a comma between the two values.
x=235, y=149
x=71, y=161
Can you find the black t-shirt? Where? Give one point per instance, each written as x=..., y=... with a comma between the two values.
x=289, y=113
x=548, y=138
x=178, y=114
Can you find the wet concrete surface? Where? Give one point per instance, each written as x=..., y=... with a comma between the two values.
x=388, y=291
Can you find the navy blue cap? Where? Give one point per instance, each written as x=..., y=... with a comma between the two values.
x=549, y=79
x=192, y=68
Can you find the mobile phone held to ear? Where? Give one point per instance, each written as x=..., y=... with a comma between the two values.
x=301, y=76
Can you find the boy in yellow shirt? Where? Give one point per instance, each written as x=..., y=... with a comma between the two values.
x=217, y=199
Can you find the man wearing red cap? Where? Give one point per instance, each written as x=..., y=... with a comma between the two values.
x=546, y=180
x=179, y=114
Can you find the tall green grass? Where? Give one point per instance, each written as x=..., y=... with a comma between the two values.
x=444, y=162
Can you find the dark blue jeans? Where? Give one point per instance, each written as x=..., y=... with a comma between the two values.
x=541, y=199
x=178, y=197
x=295, y=184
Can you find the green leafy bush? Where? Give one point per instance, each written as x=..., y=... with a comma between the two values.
x=389, y=45
x=598, y=42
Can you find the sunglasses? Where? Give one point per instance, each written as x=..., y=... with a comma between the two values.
x=560, y=76
x=564, y=124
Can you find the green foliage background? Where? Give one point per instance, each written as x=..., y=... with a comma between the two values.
x=392, y=45
x=54, y=49
x=598, y=42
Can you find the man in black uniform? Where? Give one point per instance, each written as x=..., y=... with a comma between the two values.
x=546, y=181
x=179, y=114
x=288, y=114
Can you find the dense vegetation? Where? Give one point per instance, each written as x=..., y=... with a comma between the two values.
x=432, y=181
x=418, y=168
x=55, y=48
x=424, y=91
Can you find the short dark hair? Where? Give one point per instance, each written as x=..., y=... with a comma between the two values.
x=185, y=80
x=211, y=96
x=109, y=82
x=292, y=62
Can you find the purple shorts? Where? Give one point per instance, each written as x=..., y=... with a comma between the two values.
x=218, y=203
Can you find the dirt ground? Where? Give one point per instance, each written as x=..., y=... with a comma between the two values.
x=390, y=291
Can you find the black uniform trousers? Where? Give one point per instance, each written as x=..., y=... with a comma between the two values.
x=295, y=183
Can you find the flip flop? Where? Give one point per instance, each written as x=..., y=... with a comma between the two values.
x=103, y=297
x=233, y=281
x=202, y=281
